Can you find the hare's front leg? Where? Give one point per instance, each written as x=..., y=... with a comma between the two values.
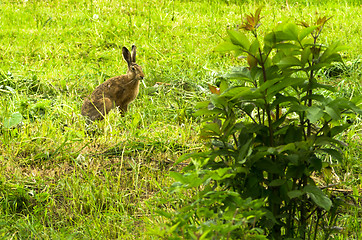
x=123, y=108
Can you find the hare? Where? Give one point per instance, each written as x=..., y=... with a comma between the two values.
x=115, y=92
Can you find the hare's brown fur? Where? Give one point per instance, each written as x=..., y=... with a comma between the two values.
x=115, y=92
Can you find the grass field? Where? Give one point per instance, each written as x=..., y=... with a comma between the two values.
x=63, y=179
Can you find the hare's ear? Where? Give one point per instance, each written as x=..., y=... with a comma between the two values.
x=133, y=58
x=126, y=55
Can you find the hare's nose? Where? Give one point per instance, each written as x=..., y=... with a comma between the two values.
x=141, y=77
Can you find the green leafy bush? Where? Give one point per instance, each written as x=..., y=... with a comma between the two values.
x=211, y=213
x=270, y=132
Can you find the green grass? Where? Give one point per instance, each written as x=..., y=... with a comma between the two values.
x=60, y=178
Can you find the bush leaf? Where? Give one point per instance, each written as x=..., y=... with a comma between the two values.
x=318, y=197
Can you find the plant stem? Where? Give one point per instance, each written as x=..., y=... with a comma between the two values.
x=303, y=210
x=316, y=224
x=267, y=105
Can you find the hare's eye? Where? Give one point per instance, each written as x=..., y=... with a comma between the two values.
x=133, y=68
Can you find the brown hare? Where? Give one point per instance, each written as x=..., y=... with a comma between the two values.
x=115, y=92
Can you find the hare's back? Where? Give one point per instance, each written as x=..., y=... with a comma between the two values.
x=111, y=88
